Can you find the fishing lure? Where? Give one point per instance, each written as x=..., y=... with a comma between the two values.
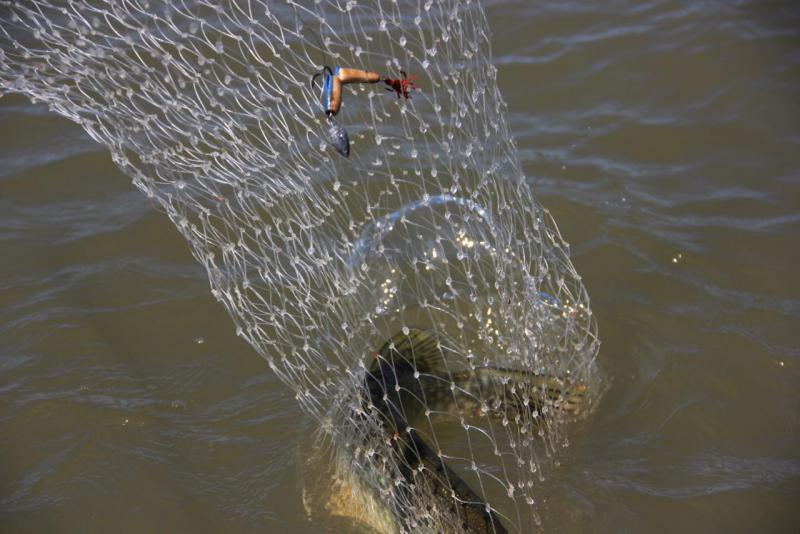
x=333, y=80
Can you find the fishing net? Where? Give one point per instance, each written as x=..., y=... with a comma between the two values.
x=415, y=297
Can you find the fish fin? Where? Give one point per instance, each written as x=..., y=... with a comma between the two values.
x=417, y=347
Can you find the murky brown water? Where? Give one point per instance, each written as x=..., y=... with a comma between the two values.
x=665, y=139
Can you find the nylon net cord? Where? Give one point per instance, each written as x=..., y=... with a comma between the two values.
x=415, y=297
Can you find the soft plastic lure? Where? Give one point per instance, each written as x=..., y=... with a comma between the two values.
x=332, y=82
x=334, y=79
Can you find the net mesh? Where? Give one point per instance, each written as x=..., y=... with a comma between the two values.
x=416, y=298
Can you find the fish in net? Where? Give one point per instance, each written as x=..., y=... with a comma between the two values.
x=415, y=297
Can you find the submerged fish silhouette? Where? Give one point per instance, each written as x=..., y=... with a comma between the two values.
x=409, y=375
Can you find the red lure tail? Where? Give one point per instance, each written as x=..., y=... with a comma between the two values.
x=401, y=86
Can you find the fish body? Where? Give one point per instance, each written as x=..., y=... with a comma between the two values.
x=508, y=392
x=391, y=385
x=409, y=376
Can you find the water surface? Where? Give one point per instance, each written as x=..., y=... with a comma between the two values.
x=665, y=139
